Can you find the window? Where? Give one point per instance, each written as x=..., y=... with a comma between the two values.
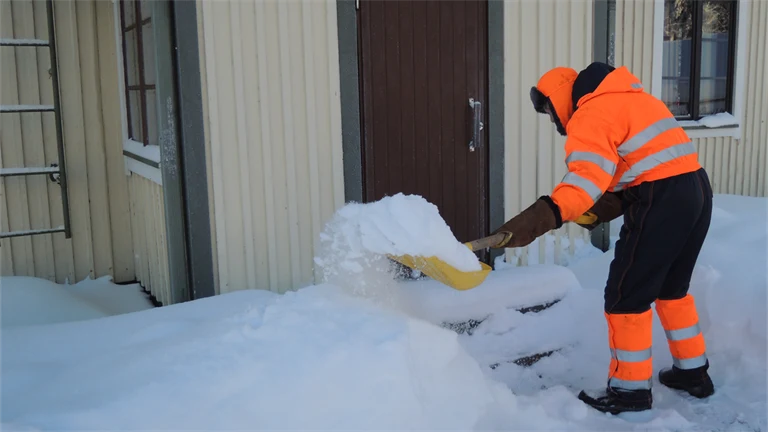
x=139, y=62
x=698, y=63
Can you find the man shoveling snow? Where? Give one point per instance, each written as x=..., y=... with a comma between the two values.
x=626, y=154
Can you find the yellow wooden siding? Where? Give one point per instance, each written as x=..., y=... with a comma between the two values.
x=149, y=237
x=271, y=86
x=537, y=37
x=634, y=38
x=101, y=233
x=735, y=166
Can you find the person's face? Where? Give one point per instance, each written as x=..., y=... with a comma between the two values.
x=551, y=114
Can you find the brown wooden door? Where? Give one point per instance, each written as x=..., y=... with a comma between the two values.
x=420, y=63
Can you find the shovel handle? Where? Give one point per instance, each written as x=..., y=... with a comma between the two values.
x=587, y=218
x=486, y=242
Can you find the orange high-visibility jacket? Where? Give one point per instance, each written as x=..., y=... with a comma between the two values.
x=619, y=136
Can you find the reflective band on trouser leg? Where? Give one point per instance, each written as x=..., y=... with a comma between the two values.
x=630, y=340
x=681, y=325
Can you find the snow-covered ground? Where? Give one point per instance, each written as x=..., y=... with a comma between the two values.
x=31, y=301
x=365, y=352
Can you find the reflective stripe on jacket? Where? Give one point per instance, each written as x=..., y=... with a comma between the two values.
x=619, y=136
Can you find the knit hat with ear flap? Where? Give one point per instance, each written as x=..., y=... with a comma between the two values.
x=554, y=90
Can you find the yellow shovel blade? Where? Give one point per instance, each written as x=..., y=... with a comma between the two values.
x=445, y=273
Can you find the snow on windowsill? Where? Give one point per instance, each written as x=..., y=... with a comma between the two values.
x=134, y=164
x=716, y=125
x=149, y=152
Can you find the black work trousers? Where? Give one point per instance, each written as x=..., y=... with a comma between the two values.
x=665, y=224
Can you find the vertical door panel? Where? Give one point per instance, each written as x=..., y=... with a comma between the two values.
x=420, y=63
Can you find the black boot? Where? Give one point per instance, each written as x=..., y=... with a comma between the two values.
x=617, y=401
x=696, y=381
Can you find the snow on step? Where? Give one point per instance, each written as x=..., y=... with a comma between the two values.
x=25, y=108
x=511, y=288
x=23, y=42
x=31, y=232
x=7, y=172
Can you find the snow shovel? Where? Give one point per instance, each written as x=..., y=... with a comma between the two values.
x=445, y=273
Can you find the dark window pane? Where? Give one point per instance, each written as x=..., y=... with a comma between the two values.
x=134, y=105
x=148, y=45
x=129, y=11
x=676, y=64
x=152, y=117
x=715, y=52
x=146, y=8
x=131, y=59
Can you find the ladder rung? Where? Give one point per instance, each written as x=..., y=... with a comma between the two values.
x=31, y=232
x=25, y=108
x=8, y=172
x=23, y=42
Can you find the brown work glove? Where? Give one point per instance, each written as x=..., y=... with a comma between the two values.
x=607, y=208
x=538, y=219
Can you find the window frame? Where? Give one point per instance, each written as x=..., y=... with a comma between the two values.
x=138, y=26
x=736, y=81
x=139, y=157
x=694, y=90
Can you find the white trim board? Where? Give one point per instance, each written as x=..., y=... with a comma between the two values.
x=132, y=166
x=693, y=128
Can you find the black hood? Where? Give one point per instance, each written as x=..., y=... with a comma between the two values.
x=589, y=79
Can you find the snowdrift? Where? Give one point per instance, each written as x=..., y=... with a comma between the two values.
x=33, y=301
x=316, y=359
x=369, y=353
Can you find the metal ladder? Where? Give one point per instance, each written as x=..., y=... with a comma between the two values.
x=53, y=170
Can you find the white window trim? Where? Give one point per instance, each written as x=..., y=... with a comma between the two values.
x=694, y=128
x=151, y=152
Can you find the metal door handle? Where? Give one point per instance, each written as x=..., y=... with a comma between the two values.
x=477, y=124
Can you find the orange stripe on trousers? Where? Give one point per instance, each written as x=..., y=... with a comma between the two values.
x=630, y=332
x=677, y=314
